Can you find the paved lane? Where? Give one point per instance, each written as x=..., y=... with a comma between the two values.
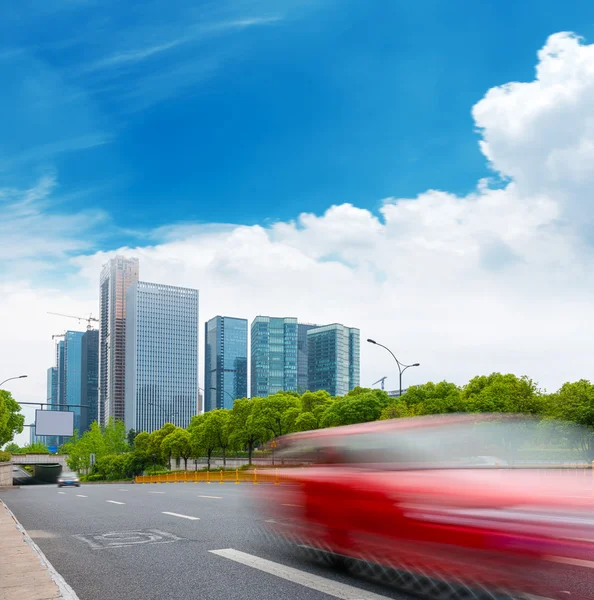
x=178, y=540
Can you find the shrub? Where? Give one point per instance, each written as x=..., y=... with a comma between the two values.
x=5, y=456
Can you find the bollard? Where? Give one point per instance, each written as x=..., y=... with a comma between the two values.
x=236, y=476
x=255, y=478
x=221, y=476
x=276, y=477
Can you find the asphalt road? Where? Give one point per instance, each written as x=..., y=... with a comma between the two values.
x=84, y=532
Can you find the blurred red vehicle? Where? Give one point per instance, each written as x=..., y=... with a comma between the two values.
x=445, y=506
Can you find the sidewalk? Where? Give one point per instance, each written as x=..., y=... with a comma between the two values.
x=25, y=573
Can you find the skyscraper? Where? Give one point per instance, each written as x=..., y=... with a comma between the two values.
x=274, y=355
x=116, y=278
x=333, y=359
x=161, y=356
x=225, y=362
x=52, y=387
x=72, y=375
x=89, y=378
x=302, y=364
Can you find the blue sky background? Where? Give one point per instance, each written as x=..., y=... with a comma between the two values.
x=253, y=111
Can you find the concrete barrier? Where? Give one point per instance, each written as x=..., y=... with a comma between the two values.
x=5, y=474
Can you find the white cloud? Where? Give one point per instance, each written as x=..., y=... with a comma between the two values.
x=496, y=280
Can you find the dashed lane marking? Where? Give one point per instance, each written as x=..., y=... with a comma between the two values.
x=114, y=502
x=172, y=514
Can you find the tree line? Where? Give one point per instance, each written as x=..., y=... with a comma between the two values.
x=252, y=423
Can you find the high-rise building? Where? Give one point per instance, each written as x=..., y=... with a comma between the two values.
x=52, y=387
x=89, y=378
x=72, y=378
x=61, y=374
x=274, y=355
x=333, y=359
x=302, y=364
x=225, y=362
x=161, y=356
x=116, y=278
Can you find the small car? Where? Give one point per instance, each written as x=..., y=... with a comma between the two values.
x=68, y=478
x=445, y=506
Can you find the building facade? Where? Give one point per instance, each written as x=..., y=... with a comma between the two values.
x=225, y=361
x=72, y=375
x=89, y=378
x=161, y=356
x=117, y=276
x=333, y=359
x=302, y=363
x=52, y=387
x=273, y=355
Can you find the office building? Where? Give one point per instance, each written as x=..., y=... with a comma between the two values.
x=72, y=375
x=302, y=363
x=117, y=276
x=52, y=387
x=161, y=356
x=273, y=355
x=89, y=378
x=333, y=359
x=225, y=361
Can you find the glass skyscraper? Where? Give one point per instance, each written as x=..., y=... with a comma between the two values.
x=333, y=359
x=225, y=361
x=89, y=379
x=116, y=278
x=72, y=378
x=161, y=356
x=274, y=355
x=302, y=363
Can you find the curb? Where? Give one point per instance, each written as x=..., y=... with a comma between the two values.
x=66, y=592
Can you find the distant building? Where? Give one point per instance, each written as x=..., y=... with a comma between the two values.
x=72, y=375
x=396, y=393
x=333, y=359
x=161, y=356
x=61, y=374
x=52, y=387
x=274, y=355
x=225, y=361
x=200, y=407
x=302, y=363
x=89, y=379
x=116, y=278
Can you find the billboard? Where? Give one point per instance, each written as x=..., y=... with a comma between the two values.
x=54, y=422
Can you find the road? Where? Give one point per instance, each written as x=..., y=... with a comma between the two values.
x=188, y=541
x=83, y=533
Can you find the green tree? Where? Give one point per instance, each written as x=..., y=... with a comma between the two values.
x=115, y=437
x=202, y=437
x=313, y=407
x=433, y=398
x=245, y=429
x=13, y=448
x=178, y=444
x=155, y=444
x=131, y=437
x=141, y=441
x=11, y=419
x=35, y=448
x=574, y=402
x=396, y=410
x=358, y=406
x=276, y=415
x=503, y=393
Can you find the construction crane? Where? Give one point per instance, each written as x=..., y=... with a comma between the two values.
x=58, y=335
x=381, y=381
x=79, y=319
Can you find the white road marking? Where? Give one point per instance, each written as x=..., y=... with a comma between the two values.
x=589, y=564
x=61, y=492
x=156, y=492
x=314, y=582
x=122, y=490
x=181, y=516
x=81, y=496
x=114, y=502
x=213, y=497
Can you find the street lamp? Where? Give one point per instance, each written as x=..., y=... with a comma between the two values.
x=11, y=378
x=401, y=366
x=225, y=392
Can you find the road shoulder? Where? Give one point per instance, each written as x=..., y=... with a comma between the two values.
x=25, y=572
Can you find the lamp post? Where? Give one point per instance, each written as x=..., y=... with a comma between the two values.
x=225, y=392
x=401, y=366
x=11, y=378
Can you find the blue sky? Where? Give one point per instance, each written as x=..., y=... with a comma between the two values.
x=242, y=111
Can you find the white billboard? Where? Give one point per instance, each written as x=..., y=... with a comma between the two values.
x=54, y=422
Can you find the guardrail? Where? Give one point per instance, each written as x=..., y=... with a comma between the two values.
x=254, y=477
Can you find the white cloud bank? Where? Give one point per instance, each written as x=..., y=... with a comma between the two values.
x=498, y=280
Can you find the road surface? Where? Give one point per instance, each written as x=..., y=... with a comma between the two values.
x=182, y=541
